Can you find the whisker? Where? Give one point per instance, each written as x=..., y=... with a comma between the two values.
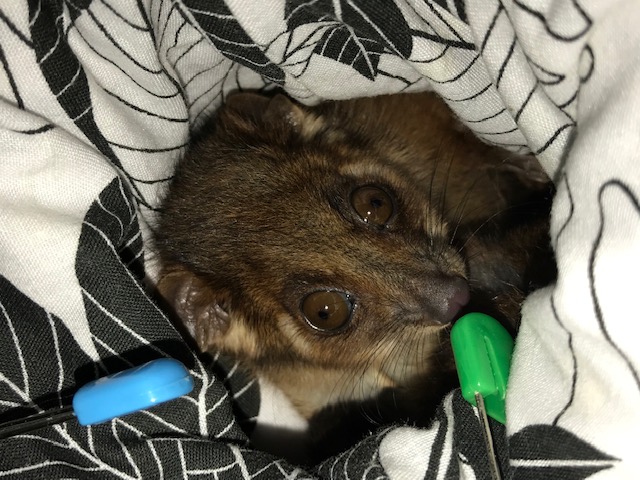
x=430, y=209
x=461, y=209
x=489, y=219
x=445, y=186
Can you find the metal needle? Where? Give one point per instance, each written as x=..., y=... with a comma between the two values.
x=36, y=421
x=488, y=438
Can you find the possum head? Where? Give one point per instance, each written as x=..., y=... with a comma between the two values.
x=298, y=248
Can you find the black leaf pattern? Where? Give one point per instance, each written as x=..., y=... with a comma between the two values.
x=11, y=79
x=229, y=37
x=554, y=453
x=40, y=359
x=68, y=84
x=41, y=369
x=63, y=72
x=357, y=31
x=460, y=10
x=341, y=44
x=470, y=445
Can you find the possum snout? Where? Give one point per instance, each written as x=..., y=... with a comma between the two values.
x=457, y=296
x=435, y=301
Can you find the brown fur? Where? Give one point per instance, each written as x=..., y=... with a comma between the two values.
x=259, y=216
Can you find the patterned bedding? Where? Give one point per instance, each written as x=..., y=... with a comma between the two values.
x=99, y=99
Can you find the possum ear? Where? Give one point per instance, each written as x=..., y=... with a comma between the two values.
x=248, y=112
x=201, y=310
x=527, y=168
x=521, y=179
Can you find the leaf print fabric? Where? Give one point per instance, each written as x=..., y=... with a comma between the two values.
x=100, y=99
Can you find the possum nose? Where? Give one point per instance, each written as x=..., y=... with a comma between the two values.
x=435, y=301
x=456, y=297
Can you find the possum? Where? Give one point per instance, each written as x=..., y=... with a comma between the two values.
x=329, y=249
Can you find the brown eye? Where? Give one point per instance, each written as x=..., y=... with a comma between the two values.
x=327, y=310
x=372, y=204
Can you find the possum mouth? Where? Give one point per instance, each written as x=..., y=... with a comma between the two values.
x=414, y=355
x=418, y=350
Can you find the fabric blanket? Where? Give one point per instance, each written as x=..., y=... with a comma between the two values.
x=99, y=99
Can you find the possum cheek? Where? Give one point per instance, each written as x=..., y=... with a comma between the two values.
x=291, y=334
x=238, y=340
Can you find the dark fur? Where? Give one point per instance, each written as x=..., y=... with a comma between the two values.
x=259, y=216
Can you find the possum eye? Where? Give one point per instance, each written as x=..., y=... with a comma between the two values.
x=373, y=205
x=327, y=310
